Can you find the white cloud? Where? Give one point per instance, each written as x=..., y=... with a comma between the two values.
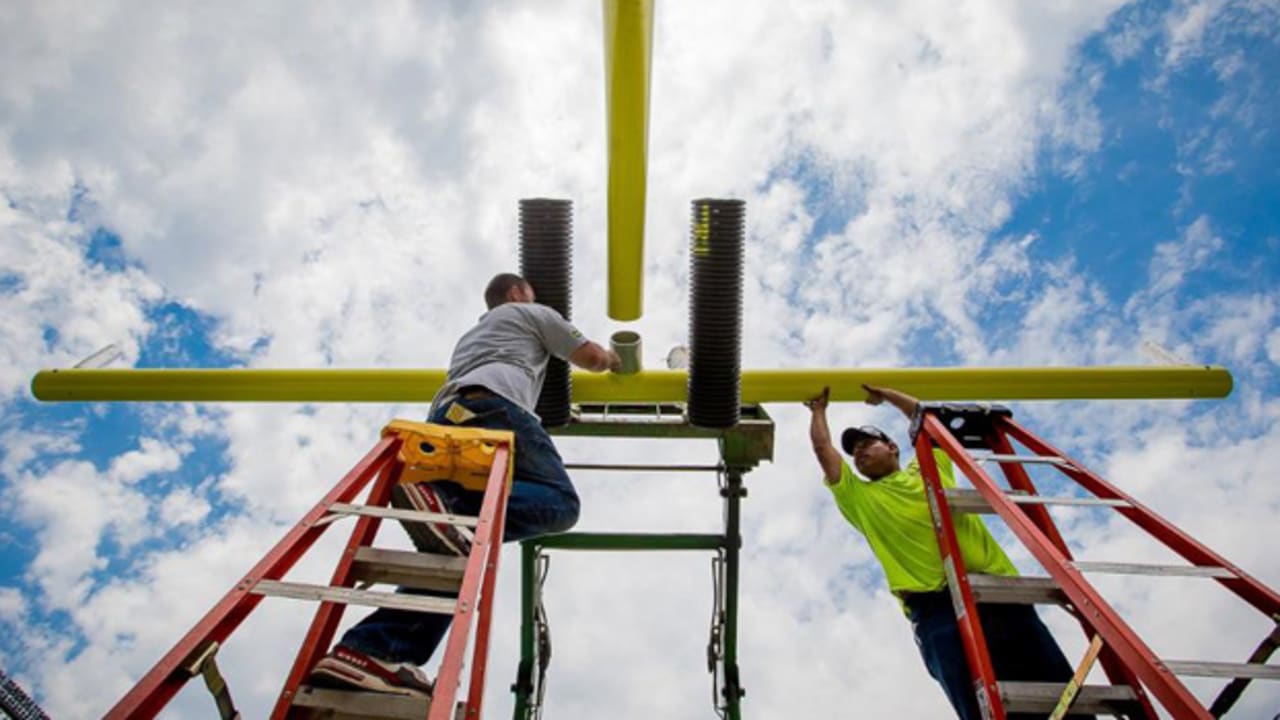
x=74, y=505
x=151, y=457
x=56, y=307
x=183, y=507
x=1195, y=29
x=1129, y=35
x=13, y=606
x=1156, y=307
x=75, y=508
x=1173, y=261
x=1185, y=28
x=1273, y=347
x=333, y=189
x=22, y=446
x=1239, y=326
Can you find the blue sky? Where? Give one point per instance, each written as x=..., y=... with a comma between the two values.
x=973, y=183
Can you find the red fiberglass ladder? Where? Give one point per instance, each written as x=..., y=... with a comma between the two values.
x=1135, y=673
x=408, y=452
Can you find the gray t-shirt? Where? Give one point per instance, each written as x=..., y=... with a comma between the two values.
x=507, y=351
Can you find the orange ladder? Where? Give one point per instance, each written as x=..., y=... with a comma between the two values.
x=479, y=459
x=1135, y=672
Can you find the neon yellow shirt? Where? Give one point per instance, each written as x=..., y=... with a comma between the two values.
x=893, y=514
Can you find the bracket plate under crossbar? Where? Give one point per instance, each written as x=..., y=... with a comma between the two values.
x=744, y=445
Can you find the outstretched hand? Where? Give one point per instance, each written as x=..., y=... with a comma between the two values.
x=819, y=402
x=875, y=395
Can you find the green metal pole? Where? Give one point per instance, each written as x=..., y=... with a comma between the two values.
x=733, y=493
x=631, y=541
x=523, y=686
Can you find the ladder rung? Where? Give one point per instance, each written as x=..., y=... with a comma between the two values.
x=967, y=500
x=399, y=514
x=350, y=596
x=1232, y=691
x=343, y=704
x=411, y=569
x=1024, y=459
x=1016, y=590
x=1163, y=570
x=1198, y=668
x=1038, y=697
x=1085, y=501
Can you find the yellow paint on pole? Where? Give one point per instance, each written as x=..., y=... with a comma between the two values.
x=758, y=386
x=239, y=385
x=628, y=44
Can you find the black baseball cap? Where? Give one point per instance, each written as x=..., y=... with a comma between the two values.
x=852, y=435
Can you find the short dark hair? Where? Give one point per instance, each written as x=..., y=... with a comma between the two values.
x=499, y=286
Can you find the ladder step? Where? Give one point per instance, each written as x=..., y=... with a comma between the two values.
x=1162, y=570
x=350, y=596
x=967, y=500
x=422, y=571
x=1024, y=459
x=1198, y=668
x=1038, y=697
x=401, y=514
x=1015, y=590
x=344, y=704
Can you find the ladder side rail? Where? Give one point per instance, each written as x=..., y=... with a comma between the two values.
x=1134, y=653
x=1247, y=587
x=484, y=611
x=1019, y=479
x=975, y=643
x=325, y=623
x=488, y=530
x=163, y=681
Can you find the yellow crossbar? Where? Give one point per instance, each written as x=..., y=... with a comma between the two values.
x=758, y=386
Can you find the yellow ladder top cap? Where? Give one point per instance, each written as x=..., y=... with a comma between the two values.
x=449, y=452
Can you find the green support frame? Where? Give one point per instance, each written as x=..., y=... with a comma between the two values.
x=742, y=447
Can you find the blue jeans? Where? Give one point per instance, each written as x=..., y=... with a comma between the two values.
x=1020, y=645
x=542, y=501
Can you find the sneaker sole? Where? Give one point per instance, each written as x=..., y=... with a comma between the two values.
x=435, y=538
x=336, y=674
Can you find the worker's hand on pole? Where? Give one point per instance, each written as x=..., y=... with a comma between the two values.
x=818, y=403
x=875, y=395
x=905, y=403
x=595, y=357
x=820, y=436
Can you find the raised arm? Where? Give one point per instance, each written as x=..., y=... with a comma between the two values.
x=900, y=400
x=596, y=358
x=820, y=436
x=565, y=341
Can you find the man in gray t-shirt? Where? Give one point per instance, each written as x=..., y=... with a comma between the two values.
x=494, y=379
x=507, y=352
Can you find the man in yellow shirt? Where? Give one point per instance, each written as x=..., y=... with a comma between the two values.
x=890, y=509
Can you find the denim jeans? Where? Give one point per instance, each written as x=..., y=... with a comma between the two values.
x=542, y=501
x=1020, y=645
